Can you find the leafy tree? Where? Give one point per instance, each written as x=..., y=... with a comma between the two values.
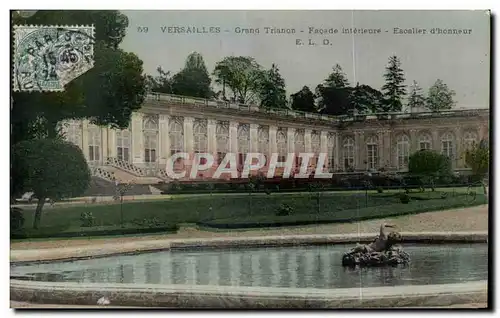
x=333, y=94
x=51, y=169
x=272, y=90
x=242, y=75
x=440, y=97
x=364, y=99
x=478, y=159
x=108, y=93
x=162, y=83
x=303, y=100
x=416, y=99
x=193, y=80
x=394, y=88
x=429, y=165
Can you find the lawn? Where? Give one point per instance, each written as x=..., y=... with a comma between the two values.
x=239, y=211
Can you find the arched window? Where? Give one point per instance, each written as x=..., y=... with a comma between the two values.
x=150, y=127
x=372, y=152
x=331, y=149
x=470, y=139
x=200, y=136
x=348, y=153
x=281, y=145
x=74, y=132
x=94, y=143
x=243, y=142
x=403, y=151
x=123, y=145
x=447, y=144
x=425, y=142
x=176, y=135
x=222, y=138
x=299, y=146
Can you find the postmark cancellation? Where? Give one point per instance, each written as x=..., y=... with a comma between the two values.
x=46, y=58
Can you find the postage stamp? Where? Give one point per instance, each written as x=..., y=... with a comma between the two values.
x=46, y=58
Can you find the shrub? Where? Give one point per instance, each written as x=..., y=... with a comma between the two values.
x=87, y=219
x=284, y=209
x=16, y=219
x=380, y=190
x=404, y=198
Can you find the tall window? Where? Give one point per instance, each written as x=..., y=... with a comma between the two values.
x=403, y=151
x=94, y=143
x=425, y=142
x=372, y=152
x=176, y=136
x=281, y=145
x=150, y=138
x=331, y=149
x=74, y=132
x=348, y=153
x=123, y=145
x=447, y=144
x=222, y=137
x=470, y=139
x=315, y=145
x=299, y=146
x=200, y=137
x=264, y=142
x=243, y=142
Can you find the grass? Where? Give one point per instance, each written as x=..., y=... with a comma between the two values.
x=239, y=210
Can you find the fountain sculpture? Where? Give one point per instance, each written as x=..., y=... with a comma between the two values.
x=381, y=252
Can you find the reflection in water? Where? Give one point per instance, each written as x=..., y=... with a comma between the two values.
x=300, y=267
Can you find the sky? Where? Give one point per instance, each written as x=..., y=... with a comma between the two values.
x=306, y=57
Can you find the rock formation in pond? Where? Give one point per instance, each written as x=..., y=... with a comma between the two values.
x=381, y=252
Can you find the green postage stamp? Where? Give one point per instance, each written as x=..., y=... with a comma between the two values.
x=46, y=58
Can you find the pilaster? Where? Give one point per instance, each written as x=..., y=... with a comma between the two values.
x=211, y=136
x=254, y=138
x=290, y=138
x=137, y=138
x=163, y=138
x=307, y=140
x=85, y=138
x=188, y=134
x=273, y=147
x=233, y=136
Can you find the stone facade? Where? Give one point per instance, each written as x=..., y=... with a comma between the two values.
x=169, y=124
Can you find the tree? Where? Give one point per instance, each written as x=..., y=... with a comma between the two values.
x=303, y=100
x=242, y=75
x=272, y=90
x=333, y=94
x=162, y=83
x=478, y=159
x=193, y=80
x=440, y=97
x=416, y=99
x=394, y=89
x=364, y=99
x=429, y=165
x=51, y=169
x=108, y=93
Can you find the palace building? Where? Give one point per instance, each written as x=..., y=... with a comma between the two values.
x=168, y=124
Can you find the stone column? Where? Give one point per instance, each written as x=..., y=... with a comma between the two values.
x=413, y=141
x=382, y=154
x=436, y=143
x=111, y=143
x=458, y=149
x=104, y=144
x=290, y=139
x=85, y=138
x=211, y=136
x=188, y=134
x=233, y=137
x=338, y=152
x=273, y=147
x=163, y=139
x=254, y=138
x=388, y=161
x=359, y=151
x=307, y=140
x=137, y=138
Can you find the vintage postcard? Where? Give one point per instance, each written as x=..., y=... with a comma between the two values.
x=250, y=159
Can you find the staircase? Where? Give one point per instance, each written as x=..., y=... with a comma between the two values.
x=126, y=166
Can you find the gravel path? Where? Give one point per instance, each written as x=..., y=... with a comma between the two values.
x=466, y=219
